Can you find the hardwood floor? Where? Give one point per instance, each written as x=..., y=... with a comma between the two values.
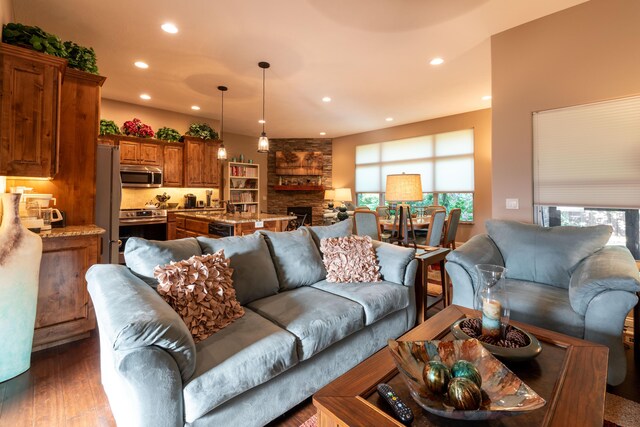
x=63, y=388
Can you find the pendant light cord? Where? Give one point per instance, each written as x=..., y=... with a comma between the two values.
x=263, y=120
x=222, y=118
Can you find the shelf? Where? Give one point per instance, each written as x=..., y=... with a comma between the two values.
x=243, y=189
x=298, y=187
x=244, y=203
x=244, y=164
x=243, y=177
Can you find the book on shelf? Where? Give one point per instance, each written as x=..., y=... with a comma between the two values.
x=244, y=171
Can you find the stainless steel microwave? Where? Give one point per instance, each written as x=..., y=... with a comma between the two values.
x=140, y=176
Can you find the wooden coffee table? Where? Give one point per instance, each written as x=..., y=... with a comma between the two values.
x=570, y=374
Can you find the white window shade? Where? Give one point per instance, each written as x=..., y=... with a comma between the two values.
x=368, y=179
x=454, y=175
x=588, y=155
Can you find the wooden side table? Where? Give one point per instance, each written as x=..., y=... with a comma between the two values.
x=425, y=259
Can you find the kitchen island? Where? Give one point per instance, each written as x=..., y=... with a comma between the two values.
x=192, y=224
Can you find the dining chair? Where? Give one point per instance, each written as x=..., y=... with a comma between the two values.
x=451, y=228
x=363, y=208
x=436, y=227
x=366, y=223
x=422, y=235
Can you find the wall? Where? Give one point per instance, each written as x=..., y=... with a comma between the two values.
x=236, y=144
x=344, y=150
x=583, y=54
x=279, y=201
x=6, y=11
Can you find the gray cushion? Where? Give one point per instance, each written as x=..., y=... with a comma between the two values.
x=339, y=229
x=317, y=318
x=241, y=356
x=378, y=299
x=254, y=275
x=393, y=261
x=296, y=258
x=543, y=254
x=544, y=306
x=142, y=255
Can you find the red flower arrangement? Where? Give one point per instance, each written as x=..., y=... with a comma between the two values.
x=135, y=127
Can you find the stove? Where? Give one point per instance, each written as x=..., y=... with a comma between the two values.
x=143, y=216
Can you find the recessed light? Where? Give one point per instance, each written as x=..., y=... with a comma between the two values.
x=195, y=107
x=389, y=119
x=486, y=97
x=141, y=64
x=323, y=133
x=326, y=99
x=145, y=97
x=169, y=28
x=261, y=121
x=436, y=61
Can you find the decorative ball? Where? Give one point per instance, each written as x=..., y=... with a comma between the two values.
x=464, y=394
x=436, y=377
x=465, y=369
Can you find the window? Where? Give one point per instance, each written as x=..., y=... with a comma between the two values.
x=444, y=161
x=587, y=167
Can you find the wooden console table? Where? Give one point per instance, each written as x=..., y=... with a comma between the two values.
x=425, y=259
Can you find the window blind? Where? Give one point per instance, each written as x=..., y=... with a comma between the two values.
x=444, y=162
x=588, y=155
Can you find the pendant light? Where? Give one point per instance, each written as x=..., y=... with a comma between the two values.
x=263, y=141
x=222, y=152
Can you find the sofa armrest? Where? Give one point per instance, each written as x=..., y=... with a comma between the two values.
x=480, y=249
x=611, y=268
x=132, y=315
x=394, y=260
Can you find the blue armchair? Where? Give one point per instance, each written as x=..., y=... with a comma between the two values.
x=562, y=278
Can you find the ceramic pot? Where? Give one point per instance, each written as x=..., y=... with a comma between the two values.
x=20, y=254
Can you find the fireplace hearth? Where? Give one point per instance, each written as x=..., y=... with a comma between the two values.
x=304, y=214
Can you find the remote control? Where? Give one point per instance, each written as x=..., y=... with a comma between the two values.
x=400, y=409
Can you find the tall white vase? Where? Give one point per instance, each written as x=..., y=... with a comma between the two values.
x=20, y=255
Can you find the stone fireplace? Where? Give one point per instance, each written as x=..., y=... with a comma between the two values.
x=281, y=198
x=304, y=214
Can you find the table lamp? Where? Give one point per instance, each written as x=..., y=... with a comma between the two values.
x=403, y=188
x=330, y=195
x=343, y=195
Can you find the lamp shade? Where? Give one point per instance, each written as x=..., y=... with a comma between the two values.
x=404, y=188
x=329, y=194
x=343, y=194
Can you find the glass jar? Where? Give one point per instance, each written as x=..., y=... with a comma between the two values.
x=492, y=300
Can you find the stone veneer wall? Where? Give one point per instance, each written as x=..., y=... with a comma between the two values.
x=279, y=201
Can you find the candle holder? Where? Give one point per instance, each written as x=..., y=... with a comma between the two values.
x=492, y=300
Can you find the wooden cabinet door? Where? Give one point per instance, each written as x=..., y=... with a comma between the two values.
x=211, y=165
x=129, y=152
x=29, y=119
x=172, y=170
x=194, y=164
x=150, y=154
x=180, y=233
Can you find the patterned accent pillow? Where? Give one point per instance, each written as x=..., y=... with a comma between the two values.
x=350, y=259
x=201, y=291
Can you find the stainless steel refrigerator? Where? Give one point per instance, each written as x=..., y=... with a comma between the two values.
x=108, y=196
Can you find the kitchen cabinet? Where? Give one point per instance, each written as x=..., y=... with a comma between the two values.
x=201, y=166
x=29, y=112
x=140, y=153
x=64, y=312
x=171, y=226
x=172, y=169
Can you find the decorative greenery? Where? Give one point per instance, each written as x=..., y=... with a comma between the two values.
x=202, y=130
x=108, y=127
x=36, y=38
x=81, y=58
x=135, y=127
x=168, y=134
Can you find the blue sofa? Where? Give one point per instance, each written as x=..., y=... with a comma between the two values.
x=299, y=332
x=561, y=278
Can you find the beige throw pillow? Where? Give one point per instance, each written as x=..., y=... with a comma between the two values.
x=350, y=259
x=201, y=291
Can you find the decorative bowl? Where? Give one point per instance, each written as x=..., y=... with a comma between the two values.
x=503, y=393
x=512, y=354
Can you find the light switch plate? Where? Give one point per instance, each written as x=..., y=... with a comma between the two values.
x=512, y=204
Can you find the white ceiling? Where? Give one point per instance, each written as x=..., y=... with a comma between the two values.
x=370, y=56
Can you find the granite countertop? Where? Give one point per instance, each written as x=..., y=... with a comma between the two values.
x=72, y=231
x=177, y=210
x=237, y=218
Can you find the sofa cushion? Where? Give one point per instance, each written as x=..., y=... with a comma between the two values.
x=201, y=291
x=142, y=256
x=393, y=261
x=350, y=259
x=247, y=353
x=339, y=229
x=378, y=299
x=545, y=254
x=317, y=318
x=544, y=306
x=254, y=275
x=296, y=258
